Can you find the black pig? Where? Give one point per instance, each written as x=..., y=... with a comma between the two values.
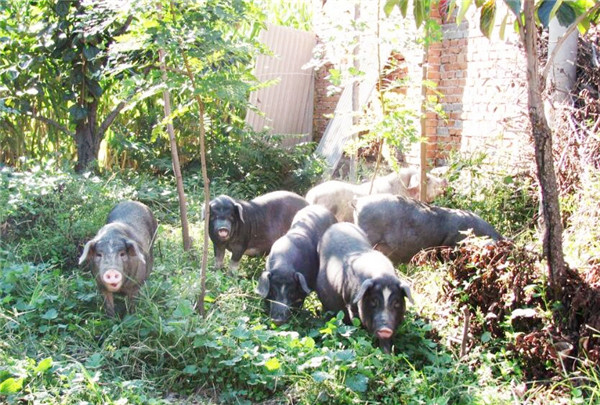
x=250, y=227
x=121, y=252
x=400, y=227
x=293, y=264
x=360, y=281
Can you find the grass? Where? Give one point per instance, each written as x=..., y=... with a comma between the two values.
x=58, y=347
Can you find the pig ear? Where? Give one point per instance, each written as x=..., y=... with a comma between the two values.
x=414, y=185
x=407, y=293
x=134, y=250
x=362, y=290
x=302, y=282
x=263, y=284
x=89, y=247
x=240, y=210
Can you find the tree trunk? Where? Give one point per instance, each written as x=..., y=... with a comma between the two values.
x=542, y=137
x=87, y=138
x=185, y=234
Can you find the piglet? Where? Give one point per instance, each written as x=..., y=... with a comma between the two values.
x=121, y=252
x=293, y=264
x=360, y=281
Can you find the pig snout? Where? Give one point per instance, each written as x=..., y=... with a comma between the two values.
x=223, y=229
x=384, y=333
x=280, y=313
x=112, y=280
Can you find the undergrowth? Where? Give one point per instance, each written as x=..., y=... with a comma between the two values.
x=57, y=345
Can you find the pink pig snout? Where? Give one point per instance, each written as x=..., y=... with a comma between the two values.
x=113, y=280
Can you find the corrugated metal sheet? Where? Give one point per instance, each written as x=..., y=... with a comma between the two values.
x=287, y=105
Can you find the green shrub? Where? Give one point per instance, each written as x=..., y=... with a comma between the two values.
x=505, y=199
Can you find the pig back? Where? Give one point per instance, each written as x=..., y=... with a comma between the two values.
x=399, y=226
x=268, y=217
x=138, y=220
x=341, y=243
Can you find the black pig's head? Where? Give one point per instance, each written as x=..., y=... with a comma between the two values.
x=381, y=307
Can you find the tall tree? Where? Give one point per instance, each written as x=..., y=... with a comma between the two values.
x=68, y=66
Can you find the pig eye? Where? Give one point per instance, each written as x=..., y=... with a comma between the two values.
x=98, y=255
x=374, y=302
x=123, y=254
x=397, y=304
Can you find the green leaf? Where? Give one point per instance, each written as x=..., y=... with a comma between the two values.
x=191, y=369
x=90, y=52
x=403, y=6
x=62, y=8
x=95, y=361
x=50, y=314
x=320, y=376
x=544, y=11
x=389, y=5
x=94, y=88
x=78, y=113
x=566, y=14
x=357, y=383
x=462, y=11
x=514, y=5
x=488, y=18
x=420, y=12
x=272, y=364
x=11, y=386
x=486, y=337
x=43, y=366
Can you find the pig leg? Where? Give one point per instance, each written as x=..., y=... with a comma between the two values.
x=131, y=295
x=109, y=303
x=219, y=256
x=236, y=256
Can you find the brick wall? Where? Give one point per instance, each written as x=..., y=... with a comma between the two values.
x=324, y=103
x=484, y=96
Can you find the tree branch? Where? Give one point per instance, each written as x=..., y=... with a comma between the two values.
x=111, y=117
x=53, y=123
x=564, y=37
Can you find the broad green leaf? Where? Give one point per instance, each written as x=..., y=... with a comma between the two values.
x=543, y=12
x=462, y=11
x=191, y=369
x=389, y=5
x=11, y=386
x=357, y=383
x=50, y=314
x=43, y=365
x=566, y=14
x=514, y=5
x=403, y=6
x=320, y=376
x=62, y=8
x=95, y=361
x=77, y=113
x=90, y=52
x=488, y=18
x=94, y=88
x=272, y=364
x=419, y=11
x=503, y=26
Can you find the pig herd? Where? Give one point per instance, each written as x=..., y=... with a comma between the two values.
x=342, y=241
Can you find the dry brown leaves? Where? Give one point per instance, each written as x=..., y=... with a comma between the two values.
x=506, y=285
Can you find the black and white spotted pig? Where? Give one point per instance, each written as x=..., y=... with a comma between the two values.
x=360, y=281
x=250, y=227
x=293, y=264
x=121, y=252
